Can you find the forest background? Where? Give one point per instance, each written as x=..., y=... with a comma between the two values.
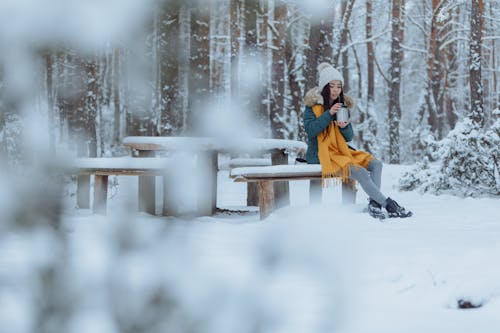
x=412, y=66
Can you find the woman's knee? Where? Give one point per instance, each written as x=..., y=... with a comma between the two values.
x=376, y=164
x=358, y=173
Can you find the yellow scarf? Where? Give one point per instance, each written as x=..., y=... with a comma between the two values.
x=334, y=154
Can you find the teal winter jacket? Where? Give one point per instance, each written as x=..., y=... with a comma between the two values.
x=314, y=126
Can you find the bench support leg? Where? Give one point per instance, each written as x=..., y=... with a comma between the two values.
x=207, y=190
x=252, y=194
x=266, y=198
x=83, y=191
x=315, y=191
x=349, y=192
x=100, y=194
x=147, y=197
x=281, y=189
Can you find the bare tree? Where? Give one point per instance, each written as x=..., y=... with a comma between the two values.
x=91, y=104
x=116, y=97
x=320, y=45
x=346, y=13
x=278, y=69
x=395, y=84
x=476, y=40
x=199, y=78
x=237, y=27
x=50, y=101
x=168, y=48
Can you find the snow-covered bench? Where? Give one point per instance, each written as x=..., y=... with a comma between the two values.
x=252, y=191
x=102, y=168
x=266, y=175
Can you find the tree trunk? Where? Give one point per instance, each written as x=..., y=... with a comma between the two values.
x=395, y=84
x=262, y=42
x=199, y=78
x=368, y=129
x=320, y=46
x=92, y=97
x=220, y=47
x=50, y=102
x=278, y=70
x=476, y=39
x=116, y=97
x=237, y=12
x=170, y=110
x=370, y=75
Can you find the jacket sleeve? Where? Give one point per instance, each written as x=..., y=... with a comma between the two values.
x=347, y=132
x=314, y=126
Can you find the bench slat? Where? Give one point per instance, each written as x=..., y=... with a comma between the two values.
x=242, y=179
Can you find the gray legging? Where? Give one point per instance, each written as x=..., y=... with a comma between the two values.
x=370, y=180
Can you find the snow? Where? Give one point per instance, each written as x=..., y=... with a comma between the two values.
x=320, y=267
x=118, y=163
x=216, y=143
x=277, y=170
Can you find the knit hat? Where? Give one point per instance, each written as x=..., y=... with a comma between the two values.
x=327, y=73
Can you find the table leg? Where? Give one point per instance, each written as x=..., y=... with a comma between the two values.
x=281, y=189
x=83, y=191
x=266, y=198
x=100, y=194
x=170, y=203
x=207, y=184
x=147, y=184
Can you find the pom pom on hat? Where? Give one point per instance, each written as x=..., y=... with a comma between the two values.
x=328, y=73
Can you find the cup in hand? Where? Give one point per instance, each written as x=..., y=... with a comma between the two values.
x=343, y=114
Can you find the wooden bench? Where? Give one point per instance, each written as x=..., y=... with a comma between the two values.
x=266, y=175
x=102, y=168
x=252, y=190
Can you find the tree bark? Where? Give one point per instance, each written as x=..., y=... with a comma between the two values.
x=278, y=70
x=476, y=39
x=50, y=101
x=169, y=44
x=320, y=46
x=92, y=98
x=116, y=97
x=395, y=84
x=199, y=78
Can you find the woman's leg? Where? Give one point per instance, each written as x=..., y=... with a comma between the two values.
x=375, y=169
x=362, y=176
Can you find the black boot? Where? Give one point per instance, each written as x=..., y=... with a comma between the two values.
x=375, y=210
x=396, y=210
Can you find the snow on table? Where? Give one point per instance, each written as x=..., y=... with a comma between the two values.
x=117, y=163
x=212, y=143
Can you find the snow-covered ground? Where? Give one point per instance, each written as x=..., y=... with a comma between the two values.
x=322, y=267
x=331, y=268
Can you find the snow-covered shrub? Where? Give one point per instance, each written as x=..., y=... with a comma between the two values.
x=468, y=164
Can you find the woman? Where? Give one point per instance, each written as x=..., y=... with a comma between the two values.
x=328, y=143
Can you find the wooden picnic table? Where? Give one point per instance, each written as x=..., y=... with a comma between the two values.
x=206, y=150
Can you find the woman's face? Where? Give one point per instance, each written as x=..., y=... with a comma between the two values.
x=335, y=89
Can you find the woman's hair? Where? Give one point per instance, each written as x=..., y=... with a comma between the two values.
x=326, y=97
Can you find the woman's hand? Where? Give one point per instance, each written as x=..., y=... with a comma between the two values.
x=342, y=124
x=335, y=107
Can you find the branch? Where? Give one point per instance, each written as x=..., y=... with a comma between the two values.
x=380, y=69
